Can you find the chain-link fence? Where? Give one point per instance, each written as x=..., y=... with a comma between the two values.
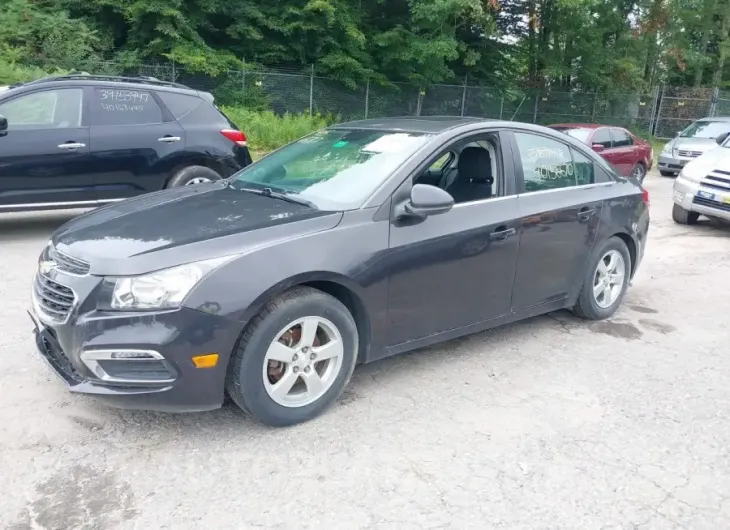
x=660, y=111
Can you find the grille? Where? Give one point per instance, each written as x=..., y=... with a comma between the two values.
x=711, y=204
x=69, y=264
x=53, y=299
x=690, y=154
x=719, y=180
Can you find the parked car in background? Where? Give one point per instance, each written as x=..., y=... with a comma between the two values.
x=355, y=243
x=691, y=143
x=629, y=154
x=703, y=185
x=83, y=141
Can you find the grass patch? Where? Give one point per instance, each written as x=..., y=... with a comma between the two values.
x=267, y=131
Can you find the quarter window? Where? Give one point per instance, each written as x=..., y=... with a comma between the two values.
x=112, y=106
x=602, y=137
x=179, y=104
x=621, y=138
x=585, y=171
x=546, y=163
x=49, y=109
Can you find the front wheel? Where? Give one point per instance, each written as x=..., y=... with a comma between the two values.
x=294, y=359
x=605, y=282
x=684, y=217
x=193, y=175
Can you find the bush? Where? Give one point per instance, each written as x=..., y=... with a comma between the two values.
x=267, y=131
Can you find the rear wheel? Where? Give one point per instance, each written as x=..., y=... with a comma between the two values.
x=639, y=172
x=605, y=282
x=192, y=175
x=667, y=173
x=684, y=217
x=295, y=358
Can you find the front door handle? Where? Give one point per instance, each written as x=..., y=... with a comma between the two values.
x=502, y=233
x=169, y=139
x=71, y=146
x=585, y=212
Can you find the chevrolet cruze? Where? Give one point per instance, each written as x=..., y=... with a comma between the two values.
x=357, y=242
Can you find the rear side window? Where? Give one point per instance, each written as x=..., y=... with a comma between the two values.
x=179, y=105
x=113, y=106
x=602, y=137
x=621, y=138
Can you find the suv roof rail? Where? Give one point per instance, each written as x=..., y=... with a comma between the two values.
x=115, y=78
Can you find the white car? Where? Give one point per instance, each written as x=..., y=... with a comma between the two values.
x=703, y=186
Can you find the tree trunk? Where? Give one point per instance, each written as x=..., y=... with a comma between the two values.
x=531, y=38
x=724, y=45
x=708, y=12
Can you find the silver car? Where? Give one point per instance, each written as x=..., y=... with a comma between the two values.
x=690, y=143
x=703, y=186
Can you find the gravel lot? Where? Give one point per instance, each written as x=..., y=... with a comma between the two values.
x=549, y=423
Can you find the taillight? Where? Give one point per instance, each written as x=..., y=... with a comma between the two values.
x=237, y=137
x=645, y=196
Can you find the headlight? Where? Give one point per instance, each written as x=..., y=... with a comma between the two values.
x=667, y=147
x=162, y=289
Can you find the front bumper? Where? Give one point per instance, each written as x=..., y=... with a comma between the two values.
x=176, y=335
x=671, y=163
x=695, y=197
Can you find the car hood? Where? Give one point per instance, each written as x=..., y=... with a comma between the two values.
x=715, y=160
x=694, y=144
x=187, y=224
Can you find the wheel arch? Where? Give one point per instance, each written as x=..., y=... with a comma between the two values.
x=339, y=287
x=631, y=245
x=196, y=160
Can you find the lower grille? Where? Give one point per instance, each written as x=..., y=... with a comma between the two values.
x=54, y=300
x=711, y=204
x=49, y=347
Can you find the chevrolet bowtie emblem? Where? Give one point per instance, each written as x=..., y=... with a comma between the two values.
x=46, y=266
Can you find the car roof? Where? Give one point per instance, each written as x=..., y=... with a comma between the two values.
x=415, y=124
x=139, y=83
x=584, y=126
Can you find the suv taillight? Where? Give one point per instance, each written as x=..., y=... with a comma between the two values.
x=237, y=137
x=645, y=196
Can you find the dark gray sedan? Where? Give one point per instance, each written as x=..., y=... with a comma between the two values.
x=357, y=242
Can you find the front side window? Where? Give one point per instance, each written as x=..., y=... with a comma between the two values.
x=621, y=138
x=602, y=137
x=335, y=169
x=706, y=129
x=546, y=164
x=113, y=106
x=48, y=109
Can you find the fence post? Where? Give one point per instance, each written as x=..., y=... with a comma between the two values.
x=501, y=106
x=463, y=95
x=420, y=102
x=659, y=111
x=652, y=114
x=174, y=77
x=595, y=104
x=311, y=92
x=243, y=80
x=537, y=99
x=367, y=98
x=713, y=102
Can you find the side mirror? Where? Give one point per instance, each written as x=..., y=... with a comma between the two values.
x=721, y=139
x=598, y=148
x=428, y=200
x=3, y=124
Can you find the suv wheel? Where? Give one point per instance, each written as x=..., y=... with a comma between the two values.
x=606, y=281
x=192, y=175
x=294, y=359
x=684, y=217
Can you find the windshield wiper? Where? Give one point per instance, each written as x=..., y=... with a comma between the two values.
x=268, y=192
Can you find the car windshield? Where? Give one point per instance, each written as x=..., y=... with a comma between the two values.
x=579, y=133
x=333, y=169
x=706, y=129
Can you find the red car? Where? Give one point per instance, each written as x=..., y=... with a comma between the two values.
x=630, y=155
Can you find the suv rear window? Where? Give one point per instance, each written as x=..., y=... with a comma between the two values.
x=179, y=104
x=114, y=106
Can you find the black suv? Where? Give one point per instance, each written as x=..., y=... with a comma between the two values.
x=83, y=141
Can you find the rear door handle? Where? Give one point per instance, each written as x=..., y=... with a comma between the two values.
x=71, y=145
x=169, y=139
x=502, y=233
x=586, y=212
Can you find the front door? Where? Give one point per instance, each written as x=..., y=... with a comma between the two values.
x=451, y=270
x=44, y=154
x=135, y=143
x=560, y=202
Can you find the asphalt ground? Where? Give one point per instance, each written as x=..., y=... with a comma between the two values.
x=553, y=422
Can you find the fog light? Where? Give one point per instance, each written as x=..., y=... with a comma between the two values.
x=679, y=195
x=208, y=360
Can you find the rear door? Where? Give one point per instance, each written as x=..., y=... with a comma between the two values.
x=135, y=141
x=44, y=154
x=624, y=151
x=560, y=203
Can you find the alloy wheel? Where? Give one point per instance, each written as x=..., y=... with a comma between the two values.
x=197, y=180
x=608, y=280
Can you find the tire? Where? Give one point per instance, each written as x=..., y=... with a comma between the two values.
x=192, y=175
x=588, y=305
x=667, y=173
x=684, y=217
x=639, y=172
x=249, y=379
